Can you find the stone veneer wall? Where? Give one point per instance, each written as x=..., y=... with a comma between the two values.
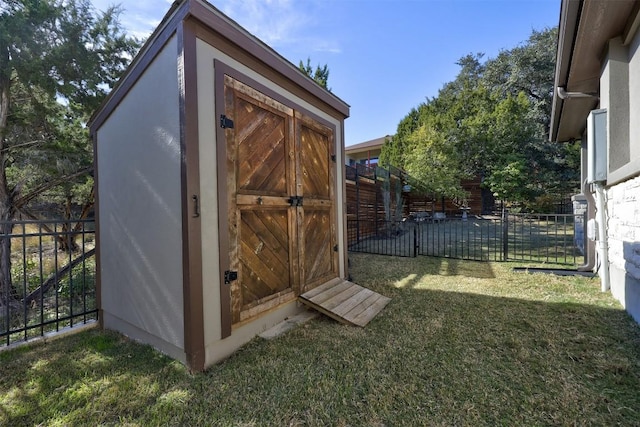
x=623, y=226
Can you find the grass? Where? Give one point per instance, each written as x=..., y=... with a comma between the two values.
x=461, y=343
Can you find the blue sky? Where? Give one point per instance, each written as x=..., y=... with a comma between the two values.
x=384, y=56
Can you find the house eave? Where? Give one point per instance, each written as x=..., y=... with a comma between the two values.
x=363, y=147
x=585, y=28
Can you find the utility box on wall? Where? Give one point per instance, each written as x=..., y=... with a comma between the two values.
x=597, y=146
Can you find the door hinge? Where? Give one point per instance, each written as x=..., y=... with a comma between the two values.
x=335, y=248
x=333, y=158
x=295, y=200
x=230, y=276
x=225, y=122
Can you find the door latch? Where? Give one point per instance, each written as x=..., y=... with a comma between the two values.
x=230, y=276
x=196, y=206
x=295, y=200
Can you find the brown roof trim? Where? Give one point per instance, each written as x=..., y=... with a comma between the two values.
x=190, y=187
x=229, y=29
x=96, y=209
x=223, y=203
x=567, y=33
x=154, y=44
x=343, y=238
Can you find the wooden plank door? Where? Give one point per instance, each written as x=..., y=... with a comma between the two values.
x=262, y=224
x=316, y=219
x=280, y=192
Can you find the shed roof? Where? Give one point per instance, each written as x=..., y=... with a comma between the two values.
x=218, y=22
x=585, y=28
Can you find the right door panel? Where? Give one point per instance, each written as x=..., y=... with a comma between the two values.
x=316, y=184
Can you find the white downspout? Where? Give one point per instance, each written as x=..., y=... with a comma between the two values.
x=603, y=244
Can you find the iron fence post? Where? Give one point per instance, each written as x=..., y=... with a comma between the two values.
x=585, y=236
x=357, y=206
x=375, y=208
x=505, y=234
x=5, y=296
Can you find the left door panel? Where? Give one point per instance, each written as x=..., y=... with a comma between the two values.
x=261, y=176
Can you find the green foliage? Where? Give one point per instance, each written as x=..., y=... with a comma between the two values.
x=26, y=273
x=81, y=283
x=59, y=60
x=528, y=68
x=64, y=49
x=492, y=122
x=509, y=179
x=435, y=163
x=320, y=75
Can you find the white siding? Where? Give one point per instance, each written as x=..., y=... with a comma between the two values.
x=140, y=209
x=216, y=348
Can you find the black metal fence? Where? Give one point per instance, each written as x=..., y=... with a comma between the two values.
x=47, y=278
x=477, y=238
x=512, y=237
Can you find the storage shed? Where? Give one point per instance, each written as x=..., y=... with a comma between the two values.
x=220, y=188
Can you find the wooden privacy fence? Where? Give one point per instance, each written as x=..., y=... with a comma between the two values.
x=376, y=195
x=539, y=238
x=366, y=197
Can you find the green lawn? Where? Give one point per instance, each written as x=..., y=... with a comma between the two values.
x=461, y=343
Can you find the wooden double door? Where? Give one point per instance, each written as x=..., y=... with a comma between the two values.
x=280, y=190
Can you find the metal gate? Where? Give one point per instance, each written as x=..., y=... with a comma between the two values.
x=538, y=238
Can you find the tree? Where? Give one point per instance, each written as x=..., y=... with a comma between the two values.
x=320, y=75
x=435, y=162
x=58, y=59
x=491, y=121
x=528, y=68
x=394, y=147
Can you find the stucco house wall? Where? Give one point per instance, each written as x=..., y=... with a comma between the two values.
x=140, y=210
x=620, y=94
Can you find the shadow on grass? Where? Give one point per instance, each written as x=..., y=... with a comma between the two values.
x=432, y=357
x=72, y=378
x=393, y=268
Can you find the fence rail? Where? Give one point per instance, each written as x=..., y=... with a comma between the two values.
x=512, y=237
x=47, y=277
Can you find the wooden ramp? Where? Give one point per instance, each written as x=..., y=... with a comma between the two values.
x=345, y=302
